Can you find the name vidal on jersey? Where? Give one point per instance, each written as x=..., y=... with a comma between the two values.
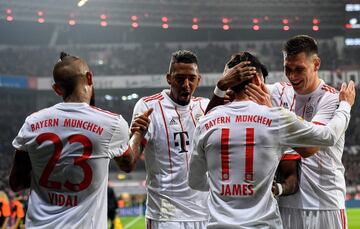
x=237, y=190
x=238, y=119
x=63, y=200
x=74, y=123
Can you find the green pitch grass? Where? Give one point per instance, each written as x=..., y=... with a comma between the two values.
x=132, y=223
x=353, y=215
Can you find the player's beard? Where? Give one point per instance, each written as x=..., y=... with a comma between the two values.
x=92, y=99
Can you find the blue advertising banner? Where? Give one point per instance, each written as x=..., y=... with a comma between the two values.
x=14, y=81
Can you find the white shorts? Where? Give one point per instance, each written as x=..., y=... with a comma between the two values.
x=313, y=219
x=153, y=224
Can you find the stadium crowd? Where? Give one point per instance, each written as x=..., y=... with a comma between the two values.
x=124, y=59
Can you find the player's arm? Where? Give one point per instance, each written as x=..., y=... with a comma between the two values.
x=139, y=127
x=20, y=175
x=289, y=184
x=231, y=77
x=198, y=179
x=298, y=133
x=260, y=95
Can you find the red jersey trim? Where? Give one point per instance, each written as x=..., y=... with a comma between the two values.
x=225, y=173
x=192, y=116
x=318, y=123
x=127, y=152
x=249, y=155
x=290, y=157
x=203, y=111
x=144, y=142
x=281, y=94
x=154, y=97
x=167, y=135
x=328, y=88
x=104, y=111
x=293, y=103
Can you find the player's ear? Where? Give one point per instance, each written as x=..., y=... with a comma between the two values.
x=57, y=89
x=199, y=80
x=89, y=78
x=317, y=63
x=257, y=79
x=168, y=78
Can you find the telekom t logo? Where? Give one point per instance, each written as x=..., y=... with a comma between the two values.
x=183, y=140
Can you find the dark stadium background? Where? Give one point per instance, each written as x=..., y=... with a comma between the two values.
x=128, y=44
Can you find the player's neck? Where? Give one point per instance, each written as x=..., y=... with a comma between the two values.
x=241, y=96
x=77, y=98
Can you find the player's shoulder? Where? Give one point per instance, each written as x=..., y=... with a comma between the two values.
x=199, y=99
x=328, y=96
x=329, y=90
x=282, y=85
x=200, y=102
x=280, y=88
x=41, y=114
x=216, y=111
x=103, y=112
x=152, y=98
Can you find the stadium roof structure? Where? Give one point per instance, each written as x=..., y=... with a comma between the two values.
x=238, y=14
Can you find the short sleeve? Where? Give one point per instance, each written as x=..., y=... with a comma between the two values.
x=19, y=142
x=119, y=142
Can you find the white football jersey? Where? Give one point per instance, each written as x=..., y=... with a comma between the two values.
x=70, y=146
x=237, y=148
x=167, y=157
x=322, y=181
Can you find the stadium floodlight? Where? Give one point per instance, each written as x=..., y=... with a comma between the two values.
x=226, y=27
x=353, y=21
x=195, y=27
x=81, y=3
x=135, y=25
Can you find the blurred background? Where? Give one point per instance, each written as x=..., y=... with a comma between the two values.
x=128, y=44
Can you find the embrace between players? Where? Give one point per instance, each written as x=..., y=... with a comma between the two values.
x=203, y=171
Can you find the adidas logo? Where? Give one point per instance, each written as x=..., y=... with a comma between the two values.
x=173, y=122
x=286, y=106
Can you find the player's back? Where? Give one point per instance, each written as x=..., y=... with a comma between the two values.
x=242, y=153
x=69, y=149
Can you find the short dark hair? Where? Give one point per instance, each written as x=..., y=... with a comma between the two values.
x=255, y=62
x=182, y=56
x=299, y=44
x=65, y=75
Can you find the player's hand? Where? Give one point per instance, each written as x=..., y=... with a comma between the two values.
x=347, y=92
x=274, y=188
x=258, y=94
x=141, y=122
x=236, y=75
x=229, y=96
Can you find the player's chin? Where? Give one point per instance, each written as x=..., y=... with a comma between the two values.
x=184, y=100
